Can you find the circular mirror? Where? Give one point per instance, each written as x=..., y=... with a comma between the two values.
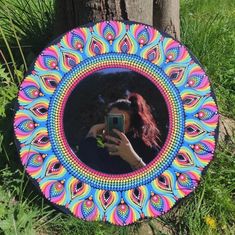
x=89, y=104
x=116, y=122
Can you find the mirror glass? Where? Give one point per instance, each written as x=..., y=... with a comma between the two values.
x=121, y=99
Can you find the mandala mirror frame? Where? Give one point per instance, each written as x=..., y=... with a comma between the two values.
x=147, y=192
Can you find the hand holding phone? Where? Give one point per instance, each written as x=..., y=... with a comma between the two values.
x=114, y=121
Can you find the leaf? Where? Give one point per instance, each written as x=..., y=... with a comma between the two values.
x=4, y=76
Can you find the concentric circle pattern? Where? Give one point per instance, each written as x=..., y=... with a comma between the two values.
x=150, y=191
x=70, y=160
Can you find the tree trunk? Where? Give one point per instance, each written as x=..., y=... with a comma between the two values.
x=73, y=13
x=162, y=14
x=140, y=11
x=166, y=17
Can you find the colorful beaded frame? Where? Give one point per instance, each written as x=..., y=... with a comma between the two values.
x=120, y=199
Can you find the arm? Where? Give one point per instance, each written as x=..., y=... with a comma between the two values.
x=137, y=162
x=88, y=149
x=89, y=143
x=95, y=130
x=123, y=148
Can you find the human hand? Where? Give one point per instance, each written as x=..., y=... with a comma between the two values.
x=123, y=148
x=96, y=130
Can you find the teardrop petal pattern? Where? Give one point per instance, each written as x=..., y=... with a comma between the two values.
x=118, y=42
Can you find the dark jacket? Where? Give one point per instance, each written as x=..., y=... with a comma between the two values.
x=98, y=158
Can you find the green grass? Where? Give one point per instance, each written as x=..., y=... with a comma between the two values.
x=207, y=28
x=19, y=213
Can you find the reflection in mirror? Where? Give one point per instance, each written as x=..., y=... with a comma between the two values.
x=116, y=121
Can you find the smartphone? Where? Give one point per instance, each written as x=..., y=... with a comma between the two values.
x=114, y=121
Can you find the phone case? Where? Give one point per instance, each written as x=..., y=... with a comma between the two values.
x=115, y=121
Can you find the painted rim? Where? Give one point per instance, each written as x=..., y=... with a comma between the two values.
x=125, y=198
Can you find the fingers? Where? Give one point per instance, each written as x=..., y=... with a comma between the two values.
x=115, y=140
x=121, y=135
x=98, y=128
x=114, y=153
x=101, y=126
x=111, y=146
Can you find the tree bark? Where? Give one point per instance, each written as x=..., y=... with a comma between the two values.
x=72, y=13
x=166, y=17
x=162, y=14
x=140, y=11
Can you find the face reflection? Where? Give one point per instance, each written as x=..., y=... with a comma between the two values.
x=126, y=115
